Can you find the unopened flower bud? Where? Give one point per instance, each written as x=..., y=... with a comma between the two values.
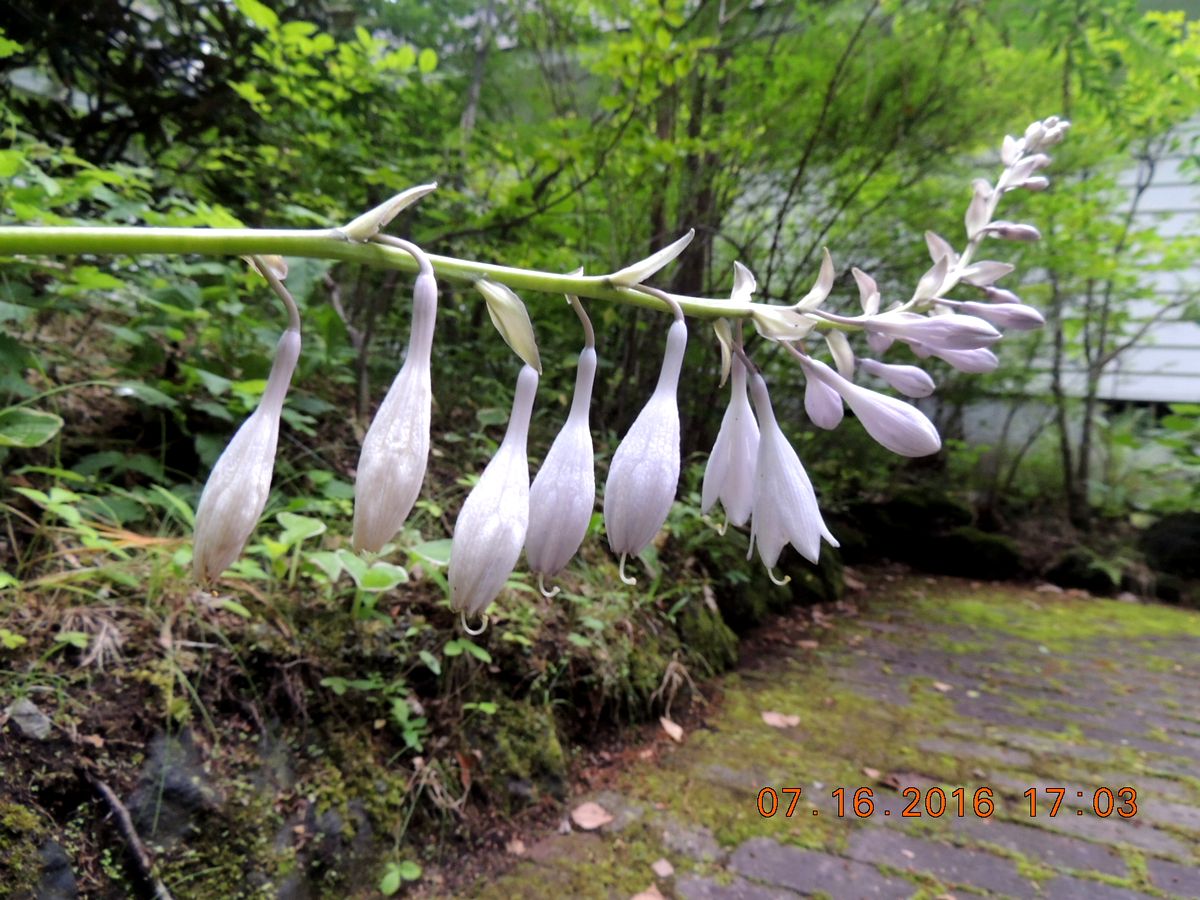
x=908, y=380
x=1000, y=295
x=1016, y=316
x=952, y=332
x=491, y=526
x=238, y=487
x=1013, y=231
x=898, y=426
x=823, y=404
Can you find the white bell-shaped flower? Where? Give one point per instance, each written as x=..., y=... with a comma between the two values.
x=785, y=504
x=395, y=451
x=491, y=526
x=563, y=494
x=823, y=404
x=729, y=475
x=644, y=472
x=240, y=482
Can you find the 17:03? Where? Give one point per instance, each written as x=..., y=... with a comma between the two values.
x=1104, y=801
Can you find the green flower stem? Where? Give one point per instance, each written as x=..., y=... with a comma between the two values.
x=332, y=244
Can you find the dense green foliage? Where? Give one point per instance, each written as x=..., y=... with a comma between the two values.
x=561, y=133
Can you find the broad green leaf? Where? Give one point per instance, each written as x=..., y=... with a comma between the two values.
x=260, y=14
x=436, y=552
x=427, y=61
x=21, y=427
x=382, y=577
x=299, y=528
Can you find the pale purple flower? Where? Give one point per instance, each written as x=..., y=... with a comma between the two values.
x=908, y=380
x=1016, y=316
x=237, y=489
x=491, y=526
x=950, y=332
x=975, y=362
x=564, y=492
x=395, y=451
x=898, y=426
x=1012, y=231
x=644, y=472
x=785, y=504
x=823, y=404
x=729, y=475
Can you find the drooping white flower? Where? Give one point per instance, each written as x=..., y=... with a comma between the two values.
x=395, y=451
x=785, y=504
x=237, y=489
x=898, y=426
x=729, y=475
x=563, y=494
x=491, y=526
x=908, y=380
x=644, y=472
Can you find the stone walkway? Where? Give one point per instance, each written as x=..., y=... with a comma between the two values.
x=938, y=698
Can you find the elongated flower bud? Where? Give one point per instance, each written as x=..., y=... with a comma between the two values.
x=975, y=362
x=729, y=475
x=950, y=332
x=823, y=404
x=491, y=526
x=898, y=426
x=240, y=482
x=908, y=380
x=785, y=504
x=395, y=451
x=563, y=494
x=1017, y=316
x=644, y=472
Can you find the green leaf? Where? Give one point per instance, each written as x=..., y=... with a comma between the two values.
x=431, y=662
x=427, y=61
x=391, y=880
x=234, y=607
x=77, y=639
x=262, y=16
x=299, y=528
x=409, y=870
x=382, y=577
x=436, y=552
x=180, y=508
x=327, y=561
x=11, y=640
x=21, y=427
x=148, y=395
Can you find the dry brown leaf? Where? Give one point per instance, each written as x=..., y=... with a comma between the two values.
x=590, y=816
x=94, y=739
x=869, y=772
x=663, y=868
x=674, y=731
x=808, y=644
x=516, y=847
x=942, y=686
x=650, y=893
x=851, y=581
x=780, y=720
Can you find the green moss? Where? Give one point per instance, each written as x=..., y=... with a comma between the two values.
x=522, y=759
x=706, y=639
x=21, y=834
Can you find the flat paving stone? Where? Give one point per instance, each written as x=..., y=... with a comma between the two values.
x=982, y=752
x=693, y=887
x=1182, y=881
x=693, y=841
x=1057, y=851
x=1065, y=887
x=1164, y=812
x=1123, y=831
x=949, y=864
x=808, y=871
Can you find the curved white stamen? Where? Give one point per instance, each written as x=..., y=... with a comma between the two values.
x=774, y=580
x=626, y=579
x=483, y=624
x=553, y=592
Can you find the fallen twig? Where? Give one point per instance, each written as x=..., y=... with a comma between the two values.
x=141, y=856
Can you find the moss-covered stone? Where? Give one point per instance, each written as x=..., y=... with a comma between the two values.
x=1079, y=567
x=21, y=833
x=705, y=637
x=971, y=553
x=522, y=759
